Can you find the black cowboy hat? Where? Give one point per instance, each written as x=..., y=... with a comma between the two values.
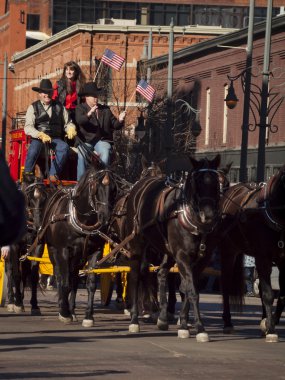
x=90, y=89
x=45, y=87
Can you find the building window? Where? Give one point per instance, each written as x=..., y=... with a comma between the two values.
x=225, y=116
x=33, y=22
x=207, y=124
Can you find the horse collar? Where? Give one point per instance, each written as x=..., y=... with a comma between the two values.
x=184, y=218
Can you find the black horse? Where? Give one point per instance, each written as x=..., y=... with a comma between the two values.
x=173, y=220
x=73, y=223
x=115, y=231
x=253, y=224
x=18, y=272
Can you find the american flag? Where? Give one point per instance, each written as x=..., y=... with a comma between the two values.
x=145, y=90
x=112, y=59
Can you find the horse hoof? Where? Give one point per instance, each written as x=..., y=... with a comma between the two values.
x=65, y=320
x=202, y=337
x=162, y=325
x=133, y=328
x=74, y=318
x=184, y=334
x=263, y=325
x=271, y=338
x=88, y=323
x=36, y=311
x=127, y=312
x=10, y=308
x=228, y=330
x=19, y=309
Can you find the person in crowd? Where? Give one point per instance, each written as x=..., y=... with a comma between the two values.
x=249, y=265
x=46, y=122
x=67, y=88
x=12, y=208
x=96, y=125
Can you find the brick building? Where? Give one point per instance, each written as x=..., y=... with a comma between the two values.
x=201, y=71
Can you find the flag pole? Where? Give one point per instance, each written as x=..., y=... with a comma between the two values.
x=133, y=94
x=97, y=71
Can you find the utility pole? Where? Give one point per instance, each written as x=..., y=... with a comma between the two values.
x=168, y=130
x=246, y=101
x=264, y=96
x=4, y=104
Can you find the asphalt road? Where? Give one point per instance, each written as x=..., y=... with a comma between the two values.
x=41, y=347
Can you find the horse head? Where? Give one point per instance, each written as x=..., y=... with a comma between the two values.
x=202, y=190
x=96, y=193
x=274, y=197
x=35, y=195
x=151, y=168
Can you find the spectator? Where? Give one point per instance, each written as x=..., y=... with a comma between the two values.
x=67, y=88
x=46, y=121
x=96, y=125
x=249, y=265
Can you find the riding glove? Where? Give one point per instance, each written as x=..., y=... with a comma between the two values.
x=71, y=133
x=44, y=137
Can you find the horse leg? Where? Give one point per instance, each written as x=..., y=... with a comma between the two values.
x=281, y=297
x=59, y=258
x=35, y=310
x=74, y=280
x=171, y=282
x=134, y=277
x=189, y=283
x=17, y=280
x=230, y=283
x=162, y=321
x=10, y=284
x=267, y=325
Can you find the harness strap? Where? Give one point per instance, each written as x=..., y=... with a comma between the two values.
x=117, y=248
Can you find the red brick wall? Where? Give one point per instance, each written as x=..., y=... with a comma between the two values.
x=12, y=38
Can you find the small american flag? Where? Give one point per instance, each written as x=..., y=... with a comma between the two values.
x=145, y=90
x=112, y=59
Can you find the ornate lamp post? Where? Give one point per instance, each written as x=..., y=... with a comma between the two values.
x=262, y=102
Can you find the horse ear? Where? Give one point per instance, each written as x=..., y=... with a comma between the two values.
x=217, y=160
x=228, y=167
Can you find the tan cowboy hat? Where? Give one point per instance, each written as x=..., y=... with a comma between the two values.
x=45, y=87
x=90, y=89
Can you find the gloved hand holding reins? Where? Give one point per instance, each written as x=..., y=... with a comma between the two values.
x=44, y=137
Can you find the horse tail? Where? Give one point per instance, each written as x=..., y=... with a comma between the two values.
x=236, y=289
x=147, y=294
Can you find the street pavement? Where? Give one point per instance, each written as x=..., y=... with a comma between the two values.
x=41, y=347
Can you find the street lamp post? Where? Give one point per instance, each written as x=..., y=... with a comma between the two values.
x=262, y=103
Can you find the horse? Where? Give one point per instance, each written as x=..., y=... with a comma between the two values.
x=173, y=220
x=73, y=223
x=253, y=224
x=35, y=195
x=115, y=228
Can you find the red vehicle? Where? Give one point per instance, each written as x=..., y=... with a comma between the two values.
x=19, y=144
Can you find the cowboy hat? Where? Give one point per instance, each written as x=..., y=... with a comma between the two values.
x=45, y=87
x=90, y=89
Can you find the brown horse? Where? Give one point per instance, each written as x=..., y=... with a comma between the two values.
x=253, y=224
x=73, y=220
x=172, y=220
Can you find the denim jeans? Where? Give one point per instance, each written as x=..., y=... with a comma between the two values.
x=103, y=148
x=248, y=274
x=61, y=151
